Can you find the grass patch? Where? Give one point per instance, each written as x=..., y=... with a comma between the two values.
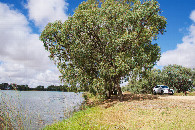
x=139, y=112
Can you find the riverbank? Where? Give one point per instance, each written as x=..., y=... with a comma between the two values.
x=135, y=112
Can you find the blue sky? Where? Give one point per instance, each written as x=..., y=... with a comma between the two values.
x=23, y=59
x=177, y=13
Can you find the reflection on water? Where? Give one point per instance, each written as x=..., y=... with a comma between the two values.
x=40, y=108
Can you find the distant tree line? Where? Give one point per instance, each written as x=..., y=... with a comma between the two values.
x=6, y=86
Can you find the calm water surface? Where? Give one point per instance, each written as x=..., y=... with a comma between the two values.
x=39, y=108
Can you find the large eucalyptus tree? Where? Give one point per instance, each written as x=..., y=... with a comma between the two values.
x=105, y=40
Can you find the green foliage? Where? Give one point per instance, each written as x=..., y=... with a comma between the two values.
x=40, y=88
x=177, y=77
x=104, y=41
x=144, y=83
x=64, y=88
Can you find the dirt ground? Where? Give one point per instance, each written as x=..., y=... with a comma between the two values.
x=183, y=101
x=191, y=98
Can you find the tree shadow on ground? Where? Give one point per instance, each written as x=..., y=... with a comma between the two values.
x=127, y=97
x=138, y=97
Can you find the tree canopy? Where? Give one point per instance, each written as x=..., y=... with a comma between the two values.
x=178, y=77
x=104, y=41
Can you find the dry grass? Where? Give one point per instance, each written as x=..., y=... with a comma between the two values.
x=136, y=112
x=187, y=94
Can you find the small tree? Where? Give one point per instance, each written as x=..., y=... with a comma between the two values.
x=104, y=41
x=177, y=77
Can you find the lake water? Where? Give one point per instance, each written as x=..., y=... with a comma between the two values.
x=39, y=108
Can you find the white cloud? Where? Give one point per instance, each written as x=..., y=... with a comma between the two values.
x=44, y=11
x=192, y=15
x=184, y=54
x=23, y=59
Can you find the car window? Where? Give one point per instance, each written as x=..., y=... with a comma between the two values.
x=157, y=86
x=164, y=87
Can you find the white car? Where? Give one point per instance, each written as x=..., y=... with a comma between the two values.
x=162, y=89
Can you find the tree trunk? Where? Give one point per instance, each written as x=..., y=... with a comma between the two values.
x=120, y=95
x=108, y=94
